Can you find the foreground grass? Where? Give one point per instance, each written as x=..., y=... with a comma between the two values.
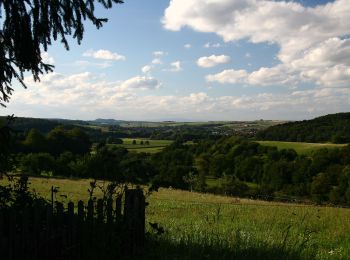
x=299, y=147
x=205, y=226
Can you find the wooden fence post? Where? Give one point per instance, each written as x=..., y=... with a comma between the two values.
x=118, y=209
x=71, y=232
x=49, y=233
x=109, y=211
x=134, y=217
x=100, y=216
x=2, y=230
x=59, y=232
x=90, y=211
x=81, y=231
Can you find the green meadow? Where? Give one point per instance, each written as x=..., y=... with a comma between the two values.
x=205, y=226
x=299, y=147
x=148, y=146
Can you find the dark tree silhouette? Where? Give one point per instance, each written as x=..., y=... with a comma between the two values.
x=29, y=26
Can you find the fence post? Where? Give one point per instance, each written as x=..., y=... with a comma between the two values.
x=24, y=236
x=59, y=241
x=100, y=216
x=109, y=211
x=2, y=231
x=11, y=233
x=134, y=217
x=90, y=211
x=118, y=209
x=81, y=232
x=71, y=232
x=49, y=233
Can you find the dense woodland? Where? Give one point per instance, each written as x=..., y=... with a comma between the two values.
x=102, y=129
x=240, y=166
x=333, y=128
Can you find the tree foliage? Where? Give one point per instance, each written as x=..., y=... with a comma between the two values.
x=330, y=128
x=30, y=26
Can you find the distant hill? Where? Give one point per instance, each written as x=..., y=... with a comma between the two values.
x=333, y=128
x=101, y=121
x=25, y=124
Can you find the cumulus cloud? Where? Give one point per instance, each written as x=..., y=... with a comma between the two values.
x=83, y=64
x=212, y=61
x=228, y=76
x=175, y=66
x=88, y=95
x=187, y=46
x=83, y=88
x=311, y=39
x=46, y=58
x=104, y=55
x=262, y=77
x=157, y=61
x=141, y=83
x=212, y=45
x=146, y=69
x=159, y=53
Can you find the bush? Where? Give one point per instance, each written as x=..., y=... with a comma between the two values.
x=233, y=186
x=37, y=163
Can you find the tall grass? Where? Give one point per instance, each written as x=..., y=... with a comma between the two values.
x=205, y=226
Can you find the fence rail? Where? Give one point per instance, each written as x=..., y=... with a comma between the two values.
x=102, y=229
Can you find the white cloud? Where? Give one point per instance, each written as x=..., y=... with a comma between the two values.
x=212, y=61
x=87, y=95
x=212, y=45
x=187, y=46
x=146, y=69
x=278, y=75
x=104, y=55
x=140, y=82
x=175, y=66
x=228, y=76
x=248, y=55
x=311, y=39
x=83, y=64
x=46, y=58
x=159, y=53
x=262, y=77
x=157, y=61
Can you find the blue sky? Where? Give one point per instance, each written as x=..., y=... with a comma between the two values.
x=200, y=60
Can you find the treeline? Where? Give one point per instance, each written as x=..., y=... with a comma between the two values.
x=69, y=152
x=330, y=128
x=248, y=169
x=239, y=166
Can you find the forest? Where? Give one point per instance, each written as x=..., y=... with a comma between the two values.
x=240, y=166
x=333, y=128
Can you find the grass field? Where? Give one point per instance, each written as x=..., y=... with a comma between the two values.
x=204, y=226
x=300, y=148
x=153, y=146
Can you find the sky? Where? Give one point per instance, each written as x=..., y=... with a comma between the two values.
x=199, y=60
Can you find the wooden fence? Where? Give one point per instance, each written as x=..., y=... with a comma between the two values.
x=99, y=230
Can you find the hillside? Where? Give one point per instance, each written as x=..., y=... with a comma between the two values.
x=333, y=128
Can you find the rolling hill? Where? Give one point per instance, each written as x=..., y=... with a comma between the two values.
x=333, y=128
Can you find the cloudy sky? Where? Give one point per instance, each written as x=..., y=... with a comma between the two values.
x=200, y=60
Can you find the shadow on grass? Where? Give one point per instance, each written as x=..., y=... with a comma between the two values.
x=164, y=249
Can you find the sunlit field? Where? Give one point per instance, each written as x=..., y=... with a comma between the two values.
x=148, y=146
x=198, y=224
x=299, y=147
